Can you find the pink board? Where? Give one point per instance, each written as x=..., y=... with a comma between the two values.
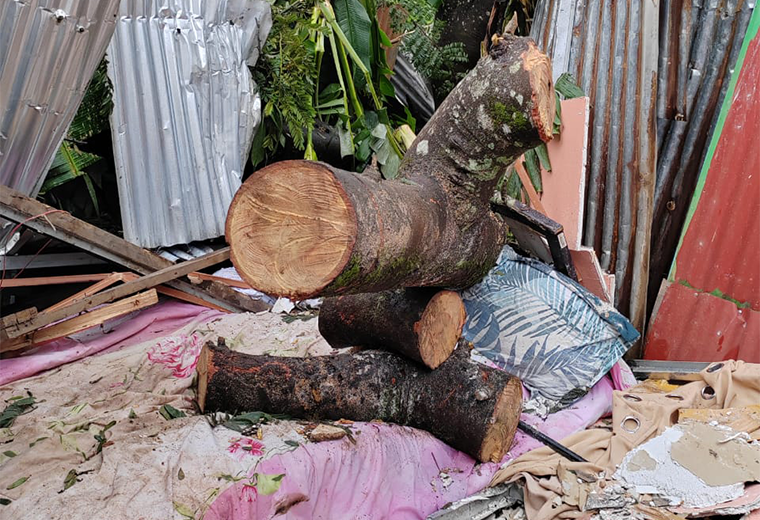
x=565, y=186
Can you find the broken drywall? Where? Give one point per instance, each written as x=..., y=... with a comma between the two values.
x=717, y=455
x=667, y=477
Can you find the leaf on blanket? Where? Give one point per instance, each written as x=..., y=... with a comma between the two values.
x=78, y=408
x=17, y=483
x=10, y=453
x=168, y=412
x=241, y=423
x=181, y=474
x=5, y=501
x=39, y=439
x=19, y=406
x=70, y=480
x=292, y=443
x=268, y=484
x=184, y=510
x=230, y=478
x=132, y=414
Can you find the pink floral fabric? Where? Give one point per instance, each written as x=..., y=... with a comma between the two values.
x=178, y=353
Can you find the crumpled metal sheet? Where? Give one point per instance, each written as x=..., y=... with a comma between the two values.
x=49, y=50
x=185, y=112
x=612, y=50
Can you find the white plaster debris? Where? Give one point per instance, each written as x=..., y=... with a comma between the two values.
x=669, y=478
x=422, y=147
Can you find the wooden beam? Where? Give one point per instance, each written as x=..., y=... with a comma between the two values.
x=199, y=277
x=95, y=288
x=174, y=293
x=61, y=225
x=82, y=322
x=53, y=280
x=146, y=282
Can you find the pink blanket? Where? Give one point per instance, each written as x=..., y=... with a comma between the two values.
x=154, y=322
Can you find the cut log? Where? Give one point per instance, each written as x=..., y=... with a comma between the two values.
x=421, y=324
x=471, y=407
x=301, y=229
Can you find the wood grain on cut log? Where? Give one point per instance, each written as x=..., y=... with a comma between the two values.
x=471, y=407
x=301, y=229
x=422, y=324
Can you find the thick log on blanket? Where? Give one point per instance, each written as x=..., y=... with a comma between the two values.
x=301, y=229
x=471, y=407
x=422, y=324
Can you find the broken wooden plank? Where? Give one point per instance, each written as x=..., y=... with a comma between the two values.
x=63, y=226
x=146, y=282
x=53, y=280
x=200, y=277
x=82, y=322
x=95, y=288
x=179, y=295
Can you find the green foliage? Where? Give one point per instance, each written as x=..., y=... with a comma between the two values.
x=91, y=119
x=287, y=75
x=19, y=405
x=415, y=19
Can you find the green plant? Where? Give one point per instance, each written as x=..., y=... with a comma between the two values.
x=91, y=119
x=349, y=90
x=415, y=21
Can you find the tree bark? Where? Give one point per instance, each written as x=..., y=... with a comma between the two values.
x=471, y=407
x=421, y=324
x=301, y=229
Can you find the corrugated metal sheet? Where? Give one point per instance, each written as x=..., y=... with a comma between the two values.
x=612, y=49
x=49, y=50
x=699, y=44
x=185, y=109
x=712, y=309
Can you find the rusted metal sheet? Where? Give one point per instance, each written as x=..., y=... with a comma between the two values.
x=699, y=43
x=612, y=49
x=712, y=308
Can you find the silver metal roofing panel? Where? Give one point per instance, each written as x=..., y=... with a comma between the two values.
x=49, y=50
x=185, y=110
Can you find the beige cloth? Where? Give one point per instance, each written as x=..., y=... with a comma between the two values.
x=638, y=414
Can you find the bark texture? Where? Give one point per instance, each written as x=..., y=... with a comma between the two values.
x=301, y=229
x=469, y=406
x=421, y=324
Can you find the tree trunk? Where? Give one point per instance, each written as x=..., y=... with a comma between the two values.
x=422, y=324
x=469, y=406
x=301, y=229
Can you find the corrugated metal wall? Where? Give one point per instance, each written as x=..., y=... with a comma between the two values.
x=611, y=48
x=711, y=310
x=49, y=50
x=185, y=109
x=699, y=43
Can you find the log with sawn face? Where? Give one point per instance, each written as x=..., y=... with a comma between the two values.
x=471, y=407
x=302, y=229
